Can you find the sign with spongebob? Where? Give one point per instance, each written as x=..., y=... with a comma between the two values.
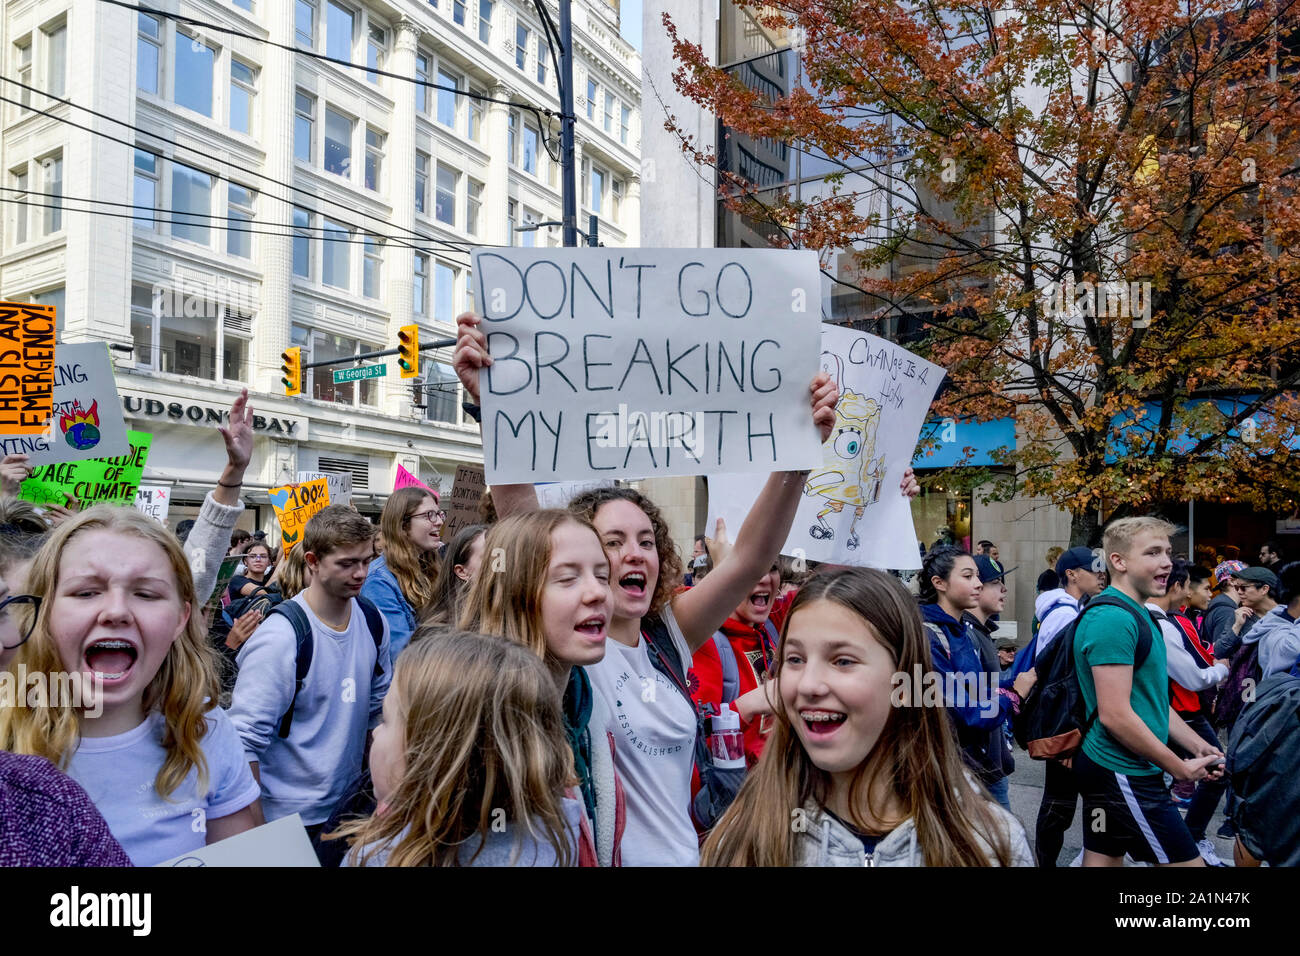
x=87, y=420
x=651, y=362
x=853, y=511
x=295, y=504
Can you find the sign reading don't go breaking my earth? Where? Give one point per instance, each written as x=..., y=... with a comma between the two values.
x=653, y=362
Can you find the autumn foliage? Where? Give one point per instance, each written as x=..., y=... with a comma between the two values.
x=1029, y=148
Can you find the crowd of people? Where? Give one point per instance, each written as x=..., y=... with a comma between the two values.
x=560, y=687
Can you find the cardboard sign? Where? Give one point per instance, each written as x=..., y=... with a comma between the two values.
x=340, y=485
x=466, y=492
x=407, y=480
x=92, y=481
x=613, y=362
x=154, y=500
x=295, y=504
x=853, y=511
x=558, y=494
x=282, y=842
x=26, y=368
x=87, y=411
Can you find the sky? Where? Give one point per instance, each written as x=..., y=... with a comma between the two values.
x=630, y=22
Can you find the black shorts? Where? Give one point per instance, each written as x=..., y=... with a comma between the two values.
x=1133, y=815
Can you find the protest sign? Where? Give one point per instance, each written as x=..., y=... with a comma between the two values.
x=87, y=411
x=646, y=361
x=282, y=842
x=462, y=508
x=92, y=481
x=229, y=565
x=558, y=494
x=407, y=480
x=852, y=510
x=340, y=485
x=26, y=368
x=295, y=504
x=153, y=500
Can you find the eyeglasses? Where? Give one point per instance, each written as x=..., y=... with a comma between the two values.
x=25, y=623
x=429, y=516
x=257, y=557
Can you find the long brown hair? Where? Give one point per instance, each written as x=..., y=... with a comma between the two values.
x=916, y=748
x=414, y=569
x=185, y=688
x=483, y=734
x=449, y=590
x=670, y=565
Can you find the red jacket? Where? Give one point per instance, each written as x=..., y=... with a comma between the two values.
x=1189, y=701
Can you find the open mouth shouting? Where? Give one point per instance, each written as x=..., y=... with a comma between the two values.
x=592, y=628
x=822, y=723
x=111, y=658
x=633, y=584
x=760, y=601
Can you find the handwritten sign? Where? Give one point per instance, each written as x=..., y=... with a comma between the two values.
x=853, y=511
x=340, y=485
x=26, y=368
x=87, y=411
x=558, y=494
x=295, y=504
x=647, y=361
x=282, y=842
x=407, y=480
x=153, y=500
x=92, y=481
x=466, y=492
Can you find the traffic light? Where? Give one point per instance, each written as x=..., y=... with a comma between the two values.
x=291, y=370
x=408, y=351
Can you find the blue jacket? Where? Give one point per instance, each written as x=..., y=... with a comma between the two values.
x=385, y=593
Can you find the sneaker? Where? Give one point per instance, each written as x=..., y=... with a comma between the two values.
x=1209, y=853
x=1227, y=831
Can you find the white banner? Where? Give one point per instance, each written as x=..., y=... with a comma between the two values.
x=651, y=362
x=340, y=485
x=154, y=500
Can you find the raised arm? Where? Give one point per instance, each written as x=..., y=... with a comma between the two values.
x=209, y=539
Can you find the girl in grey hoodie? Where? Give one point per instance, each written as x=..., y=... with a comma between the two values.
x=861, y=753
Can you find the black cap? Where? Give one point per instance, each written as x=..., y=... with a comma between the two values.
x=1077, y=558
x=1258, y=575
x=989, y=569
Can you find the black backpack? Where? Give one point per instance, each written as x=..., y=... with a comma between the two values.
x=1053, y=720
x=1263, y=761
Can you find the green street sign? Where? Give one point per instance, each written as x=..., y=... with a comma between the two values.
x=342, y=375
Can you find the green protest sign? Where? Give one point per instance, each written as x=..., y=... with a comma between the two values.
x=93, y=480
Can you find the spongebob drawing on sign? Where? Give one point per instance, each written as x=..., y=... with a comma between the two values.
x=851, y=472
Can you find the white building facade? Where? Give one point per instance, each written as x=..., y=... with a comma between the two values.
x=210, y=195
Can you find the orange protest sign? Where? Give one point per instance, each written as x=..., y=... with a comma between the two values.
x=295, y=504
x=26, y=367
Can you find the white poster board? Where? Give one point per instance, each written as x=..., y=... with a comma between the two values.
x=340, y=485
x=87, y=420
x=282, y=842
x=651, y=362
x=558, y=494
x=853, y=511
x=153, y=500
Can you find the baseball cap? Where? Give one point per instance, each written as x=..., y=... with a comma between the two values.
x=1007, y=644
x=1078, y=558
x=1226, y=570
x=1257, y=575
x=989, y=569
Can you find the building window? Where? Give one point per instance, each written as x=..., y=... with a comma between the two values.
x=148, y=53
x=55, y=297
x=302, y=236
x=376, y=47
x=530, y=149
x=423, y=74
x=374, y=157
x=529, y=234
x=616, y=200
x=336, y=256
x=597, y=188
x=243, y=88
x=473, y=206
x=304, y=121
x=244, y=5
x=444, y=294
x=591, y=99
x=52, y=168
x=625, y=124
x=521, y=45
x=338, y=143
x=511, y=207
x=543, y=59
x=186, y=338
x=609, y=112
x=234, y=349
x=239, y=240
x=441, y=394
x=485, y=21
x=512, y=139
x=19, y=177
x=144, y=192
x=321, y=347
x=421, y=181
x=23, y=65
x=372, y=267
x=340, y=27
x=445, y=199
x=194, y=64
x=475, y=110
x=458, y=11
x=420, y=285
x=56, y=63
x=448, y=84
x=191, y=204
x=304, y=23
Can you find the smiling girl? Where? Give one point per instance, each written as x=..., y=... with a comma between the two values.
x=401, y=580
x=848, y=778
x=158, y=758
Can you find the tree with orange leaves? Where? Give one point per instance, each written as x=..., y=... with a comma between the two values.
x=1098, y=202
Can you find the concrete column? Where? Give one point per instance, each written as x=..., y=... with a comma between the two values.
x=497, y=187
x=399, y=259
x=632, y=210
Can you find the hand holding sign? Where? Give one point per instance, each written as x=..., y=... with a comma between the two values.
x=471, y=352
x=14, y=470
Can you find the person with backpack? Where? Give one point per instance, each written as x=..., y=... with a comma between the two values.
x=1079, y=572
x=1264, y=762
x=1123, y=681
x=1256, y=591
x=1276, y=634
x=1192, y=669
x=858, y=771
x=312, y=677
x=1221, y=613
x=401, y=580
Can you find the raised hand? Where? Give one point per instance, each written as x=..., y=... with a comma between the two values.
x=14, y=470
x=471, y=353
x=824, y=396
x=238, y=435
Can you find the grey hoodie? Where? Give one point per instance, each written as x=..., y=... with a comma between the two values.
x=1278, y=636
x=824, y=841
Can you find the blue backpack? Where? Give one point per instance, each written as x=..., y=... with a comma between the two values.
x=727, y=655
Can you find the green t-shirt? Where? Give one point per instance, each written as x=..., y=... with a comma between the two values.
x=1108, y=635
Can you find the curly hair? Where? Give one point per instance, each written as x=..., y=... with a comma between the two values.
x=589, y=503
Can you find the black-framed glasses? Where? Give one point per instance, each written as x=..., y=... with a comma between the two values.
x=25, y=623
x=428, y=515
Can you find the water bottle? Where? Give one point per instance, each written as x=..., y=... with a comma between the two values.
x=727, y=740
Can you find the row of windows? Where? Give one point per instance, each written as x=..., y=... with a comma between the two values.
x=323, y=252
x=613, y=106
x=40, y=59
x=445, y=202
x=331, y=142
x=202, y=78
x=193, y=198
x=44, y=216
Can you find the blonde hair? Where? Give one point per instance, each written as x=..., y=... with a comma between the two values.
x=183, y=691
x=483, y=733
x=1053, y=555
x=291, y=572
x=415, y=570
x=509, y=603
x=1119, y=534
x=917, y=750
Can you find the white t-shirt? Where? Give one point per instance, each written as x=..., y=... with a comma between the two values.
x=119, y=773
x=654, y=750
